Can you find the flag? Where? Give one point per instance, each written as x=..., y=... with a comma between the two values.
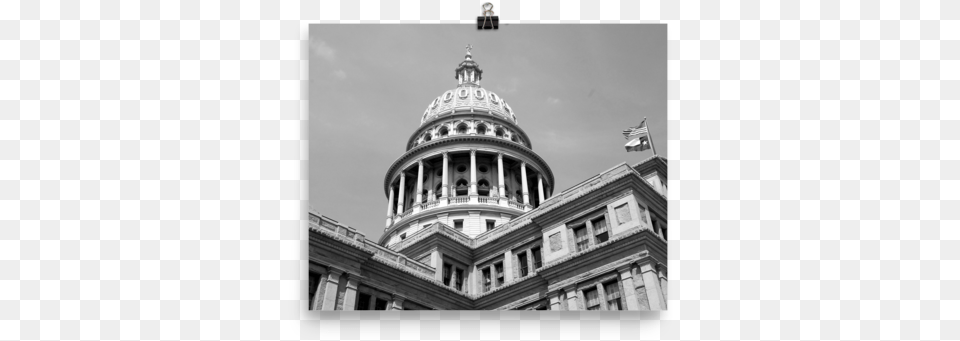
x=636, y=131
x=638, y=144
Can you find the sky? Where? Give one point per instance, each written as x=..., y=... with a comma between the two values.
x=573, y=87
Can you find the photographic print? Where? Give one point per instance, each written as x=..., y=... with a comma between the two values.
x=517, y=169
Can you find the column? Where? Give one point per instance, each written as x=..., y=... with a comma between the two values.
x=571, y=298
x=662, y=272
x=500, y=183
x=510, y=268
x=318, y=295
x=652, y=284
x=446, y=187
x=397, y=302
x=523, y=179
x=390, y=207
x=402, y=189
x=629, y=289
x=473, y=172
x=419, y=195
x=350, y=294
x=529, y=252
x=437, y=264
x=555, y=301
x=602, y=295
x=330, y=292
x=540, y=187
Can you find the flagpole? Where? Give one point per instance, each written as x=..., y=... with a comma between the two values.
x=651, y=138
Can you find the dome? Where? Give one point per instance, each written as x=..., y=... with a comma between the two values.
x=468, y=96
x=471, y=98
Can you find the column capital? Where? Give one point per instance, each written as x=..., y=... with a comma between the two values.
x=352, y=282
x=398, y=298
x=570, y=290
x=500, y=155
x=625, y=270
x=334, y=271
x=445, y=152
x=420, y=162
x=473, y=151
x=523, y=163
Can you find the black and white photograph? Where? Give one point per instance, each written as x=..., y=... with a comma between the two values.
x=454, y=169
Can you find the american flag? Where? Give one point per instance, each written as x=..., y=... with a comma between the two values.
x=635, y=131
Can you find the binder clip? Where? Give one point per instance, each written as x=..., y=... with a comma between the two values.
x=490, y=21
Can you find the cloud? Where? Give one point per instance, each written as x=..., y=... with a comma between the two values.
x=510, y=87
x=321, y=49
x=340, y=74
x=553, y=100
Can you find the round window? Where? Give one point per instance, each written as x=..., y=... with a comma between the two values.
x=448, y=96
x=463, y=93
x=461, y=168
x=479, y=94
x=483, y=169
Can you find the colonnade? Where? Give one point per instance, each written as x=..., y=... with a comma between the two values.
x=396, y=208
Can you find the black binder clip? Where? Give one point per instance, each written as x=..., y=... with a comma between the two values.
x=490, y=21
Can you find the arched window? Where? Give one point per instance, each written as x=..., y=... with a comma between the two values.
x=444, y=131
x=424, y=196
x=514, y=139
x=426, y=137
x=519, y=197
x=499, y=132
x=462, y=187
x=482, y=129
x=483, y=187
x=462, y=128
x=438, y=192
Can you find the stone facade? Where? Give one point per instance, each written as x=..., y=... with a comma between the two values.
x=473, y=224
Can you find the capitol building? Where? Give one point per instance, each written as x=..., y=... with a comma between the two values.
x=474, y=222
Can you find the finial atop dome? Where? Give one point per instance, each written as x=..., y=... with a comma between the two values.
x=468, y=72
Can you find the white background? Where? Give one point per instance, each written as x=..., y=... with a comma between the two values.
x=153, y=171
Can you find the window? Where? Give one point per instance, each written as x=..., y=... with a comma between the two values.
x=600, y=229
x=444, y=132
x=522, y=260
x=461, y=168
x=458, y=224
x=592, y=299
x=499, y=132
x=380, y=305
x=612, y=289
x=312, y=289
x=462, y=129
x=459, y=281
x=483, y=187
x=426, y=137
x=403, y=236
x=581, y=238
x=537, y=258
x=363, y=302
x=498, y=268
x=461, y=188
x=486, y=279
x=490, y=224
x=482, y=129
x=446, y=274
